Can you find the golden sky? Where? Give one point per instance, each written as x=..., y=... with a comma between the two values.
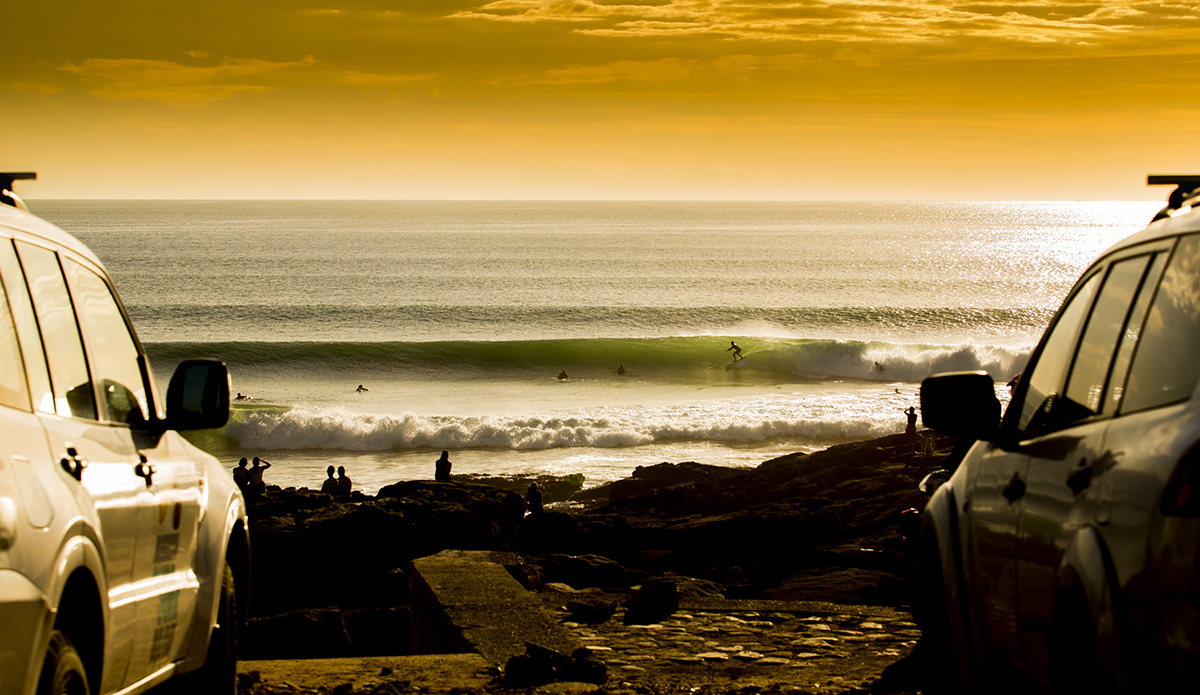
x=600, y=99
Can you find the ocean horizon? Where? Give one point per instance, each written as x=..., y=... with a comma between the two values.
x=458, y=317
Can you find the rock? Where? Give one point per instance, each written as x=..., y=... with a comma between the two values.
x=555, y=488
x=539, y=666
x=851, y=586
x=592, y=608
x=646, y=478
x=652, y=602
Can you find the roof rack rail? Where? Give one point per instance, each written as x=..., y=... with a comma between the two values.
x=1187, y=187
x=7, y=196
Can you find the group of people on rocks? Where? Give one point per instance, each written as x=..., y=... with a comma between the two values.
x=250, y=480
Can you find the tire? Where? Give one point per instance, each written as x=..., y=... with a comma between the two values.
x=218, y=675
x=62, y=669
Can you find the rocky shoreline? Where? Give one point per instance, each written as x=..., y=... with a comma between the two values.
x=331, y=578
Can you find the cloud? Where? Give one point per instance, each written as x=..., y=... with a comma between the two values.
x=183, y=86
x=905, y=22
x=33, y=87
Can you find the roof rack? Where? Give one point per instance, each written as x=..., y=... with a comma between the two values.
x=1187, y=189
x=7, y=196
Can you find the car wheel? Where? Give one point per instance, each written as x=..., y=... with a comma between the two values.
x=933, y=615
x=62, y=670
x=218, y=675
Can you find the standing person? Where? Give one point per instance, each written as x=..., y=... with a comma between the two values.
x=344, y=484
x=257, y=485
x=330, y=486
x=911, y=428
x=533, y=499
x=241, y=475
x=441, y=470
x=737, y=351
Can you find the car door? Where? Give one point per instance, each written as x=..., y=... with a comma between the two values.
x=997, y=482
x=98, y=458
x=1067, y=459
x=163, y=559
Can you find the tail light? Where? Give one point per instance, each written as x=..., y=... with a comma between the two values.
x=1182, y=496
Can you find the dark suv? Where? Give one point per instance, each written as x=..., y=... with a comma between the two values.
x=1064, y=549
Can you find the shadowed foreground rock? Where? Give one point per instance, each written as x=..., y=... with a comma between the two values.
x=801, y=528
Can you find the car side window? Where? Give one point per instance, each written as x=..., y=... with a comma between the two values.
x=112, y=354
x=36, y=375
x=14, y=390
x=1165, y=367
x=69, y=379
x=1106, y=325
x=1045, y=378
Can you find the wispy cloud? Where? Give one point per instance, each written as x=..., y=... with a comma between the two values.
x=184, y=86
x=907, y=21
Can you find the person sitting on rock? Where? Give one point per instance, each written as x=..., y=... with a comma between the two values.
x=441, y=469
x=533, y=499
x=330, y=486
x=344, y=484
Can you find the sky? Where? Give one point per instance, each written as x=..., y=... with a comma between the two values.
x=600, y=99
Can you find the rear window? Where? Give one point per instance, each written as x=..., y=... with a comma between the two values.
x=1166, y=364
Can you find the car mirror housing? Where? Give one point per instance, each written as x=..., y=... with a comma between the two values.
x=961, y=404
x=198, y=395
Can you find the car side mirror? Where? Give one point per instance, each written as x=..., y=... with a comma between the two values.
x=198, y=396
x=961, y=404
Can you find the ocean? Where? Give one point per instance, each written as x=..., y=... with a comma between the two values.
x=459, y=317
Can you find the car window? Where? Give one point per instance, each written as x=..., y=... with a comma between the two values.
x=1105, y=326
x=112, y=354
x=1045, y=378
x=14, y=391
x=37, y=377
x=69, y=378
x=1133, y=331
x=1165, y=367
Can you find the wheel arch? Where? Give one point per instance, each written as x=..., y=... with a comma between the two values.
x=1086, y=581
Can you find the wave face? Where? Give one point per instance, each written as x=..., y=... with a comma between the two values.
x=670, y=360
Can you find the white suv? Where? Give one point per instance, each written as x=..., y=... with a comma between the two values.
x=1065, y=549
x=124, y=555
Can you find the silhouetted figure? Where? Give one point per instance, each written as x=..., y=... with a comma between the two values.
x=257, y=485
x=563, y=375
x=1012, y=383
x=441, y=470
x=533, y=499
x=911, y=428
x=243, y=397
x=241, y=475
x=344, y=484
x=737, y=351
x=362, y=389
x=621, y=369
x=879, y=367
x=330, y=486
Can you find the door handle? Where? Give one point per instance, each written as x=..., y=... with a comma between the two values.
x=1015, y=489
x=73, y=464
x=1080, y=478
x=145, y=470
